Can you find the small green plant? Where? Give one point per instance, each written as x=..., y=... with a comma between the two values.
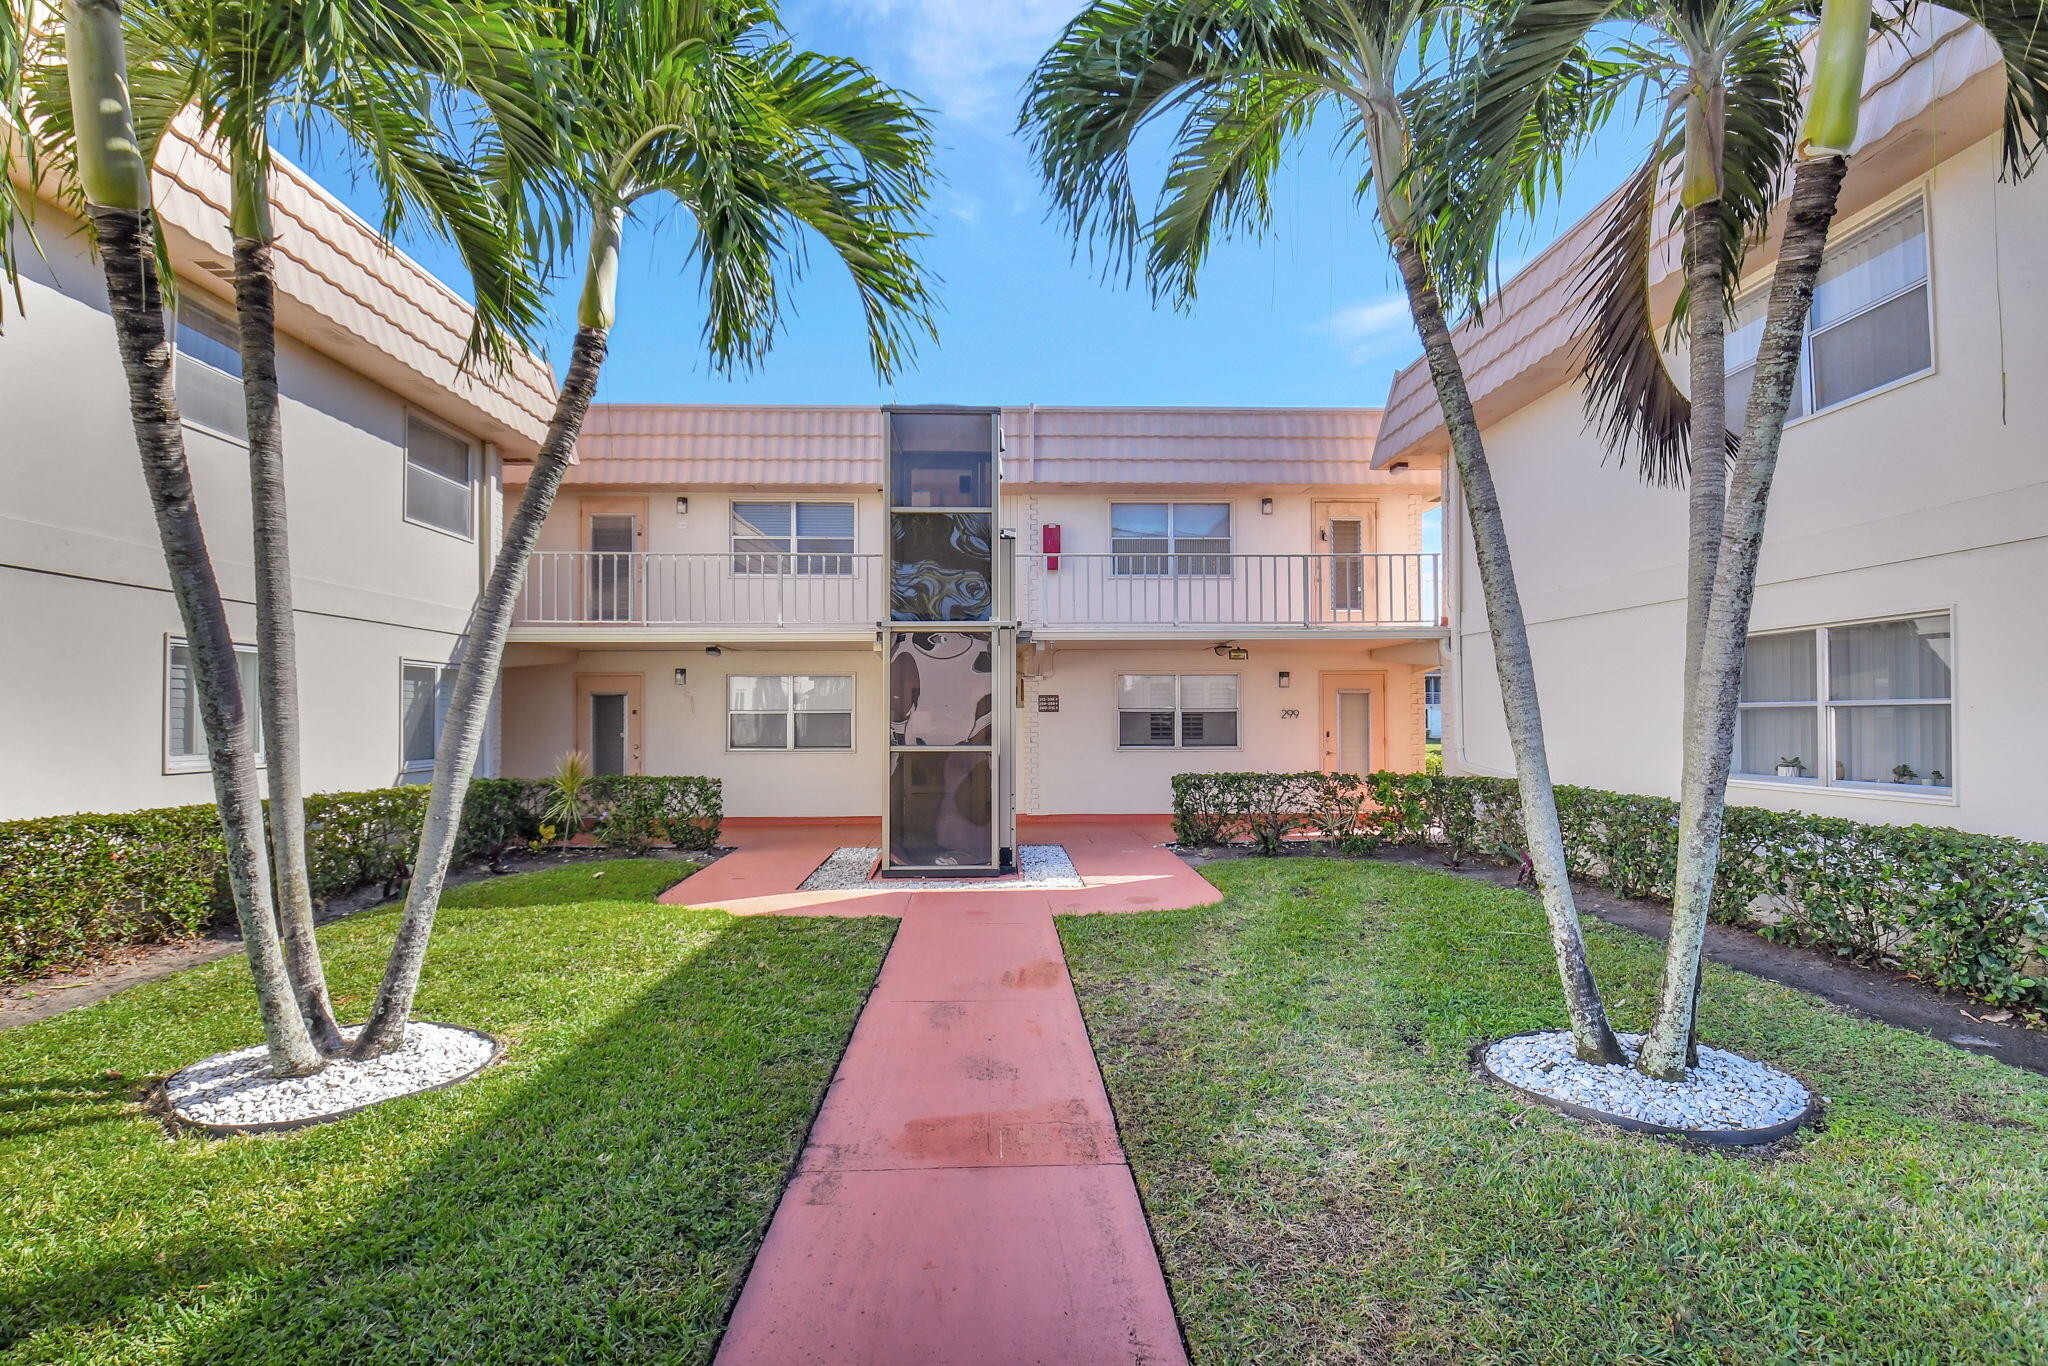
x=1792, y=767
x=542, y=839
x=1940, y=778
x=1903, y=773
x=572, y=798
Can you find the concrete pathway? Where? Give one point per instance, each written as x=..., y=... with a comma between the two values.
x=963, y=1197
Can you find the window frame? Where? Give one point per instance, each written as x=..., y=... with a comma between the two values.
x=444, y=678
x=1117, y=711
x=1869, y=221
x=406, y=467
x=200, y=762
x=790, y=556
x=789, y=712
x=1947, y=794
x=1172, y=554
x=200, y=301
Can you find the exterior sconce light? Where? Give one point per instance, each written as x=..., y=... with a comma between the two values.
x=1238, y=652
x=682, y=678
x=713, y=651
x=1265, y=507
x=1286, y=678
x=682, y=506
x=1398, y=467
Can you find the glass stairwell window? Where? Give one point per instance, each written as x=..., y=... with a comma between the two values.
x=792, y=538
x=1871, y=326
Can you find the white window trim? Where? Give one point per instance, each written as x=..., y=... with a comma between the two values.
x=1116, y=713
x=405, y=468
x=180, y=357
x=790, y=745
x=1867, y=219
x=443, y=670
x=1950, y=795
x=1109, y=538
x=199, y=763
x=732, y=536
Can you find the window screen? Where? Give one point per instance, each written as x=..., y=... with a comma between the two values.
x=1187, y=711
x=184, y=731
x=789, y=711
x=439, y=480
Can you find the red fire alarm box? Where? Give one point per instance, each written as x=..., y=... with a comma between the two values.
x=1049, y=544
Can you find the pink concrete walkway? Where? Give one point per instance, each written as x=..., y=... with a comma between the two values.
x=963, y=1197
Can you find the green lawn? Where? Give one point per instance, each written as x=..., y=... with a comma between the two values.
x=1329, y=1182
x=595, y=1197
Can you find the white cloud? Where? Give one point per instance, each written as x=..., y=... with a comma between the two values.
x=966, y=58
x=1369, y=330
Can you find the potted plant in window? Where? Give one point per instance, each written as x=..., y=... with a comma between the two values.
x=1903, y=773
x=1794, y=767
x=1937, y=779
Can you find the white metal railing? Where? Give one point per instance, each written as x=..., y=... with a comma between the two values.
x=1076, y=591
x=745, y=588
x=1137, y=591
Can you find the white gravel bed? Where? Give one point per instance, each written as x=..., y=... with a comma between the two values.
x=1726, y=1090
x=237, y=1088
x=1041, y=867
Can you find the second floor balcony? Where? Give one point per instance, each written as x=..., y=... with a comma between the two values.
x=640, y=594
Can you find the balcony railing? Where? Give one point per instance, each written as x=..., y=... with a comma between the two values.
x=747, y=588
x=1129, y=592
x=1088, y=592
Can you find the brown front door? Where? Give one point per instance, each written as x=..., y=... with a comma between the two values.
x=1354, y=722
x=608, y=721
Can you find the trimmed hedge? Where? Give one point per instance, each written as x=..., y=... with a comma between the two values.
x=74, y=887
x=1965, y=912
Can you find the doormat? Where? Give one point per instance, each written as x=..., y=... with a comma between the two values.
x=1040, y=867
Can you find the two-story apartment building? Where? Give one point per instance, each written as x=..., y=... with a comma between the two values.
x=1188, y=589
x=1896, y=669
x=394, y=456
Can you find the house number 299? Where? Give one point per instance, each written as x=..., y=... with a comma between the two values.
x=1290, y=713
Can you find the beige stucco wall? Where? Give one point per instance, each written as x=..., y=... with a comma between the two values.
x=83, y=591
x=1927, y=496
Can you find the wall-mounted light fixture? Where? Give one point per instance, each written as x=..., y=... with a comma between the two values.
x=1398, y=467
x=682, y=678
x=1286, y=679
x=682, y=506
x=713, y=651
x=1228, y=651
x=1265, y=507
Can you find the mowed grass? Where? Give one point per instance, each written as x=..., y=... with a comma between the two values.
x=1329, y=1181
x=595, y=1197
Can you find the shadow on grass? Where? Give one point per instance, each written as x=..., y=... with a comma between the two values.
x=603, y=1206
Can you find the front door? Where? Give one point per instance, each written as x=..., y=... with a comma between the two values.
x=1352, y=715
x=608, y=721
x=1346, y=536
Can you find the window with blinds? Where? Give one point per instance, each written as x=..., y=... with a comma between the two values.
x=423, y=707
x=208, y=373
x=184, y=731
x=1862, y=704
x=1179, y=539
x=789, y=711
x=1176, y=711
x=440, y=479
x=792, y=538
x=1872, y=322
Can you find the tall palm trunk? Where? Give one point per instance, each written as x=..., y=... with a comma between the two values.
x=1513, y=663
x=1710, y=729
x=116, y=183
x=276, y=633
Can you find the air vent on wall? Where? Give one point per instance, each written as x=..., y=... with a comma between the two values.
x=216, y=269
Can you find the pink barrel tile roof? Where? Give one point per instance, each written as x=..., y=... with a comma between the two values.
x=345, y=291
x=1526, y=343
x=711, y=445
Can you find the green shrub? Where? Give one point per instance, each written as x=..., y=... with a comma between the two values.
x=1962, y=911
x=73, y=888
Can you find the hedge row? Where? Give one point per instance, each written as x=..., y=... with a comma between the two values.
x=1962, y=911
x=74, y=887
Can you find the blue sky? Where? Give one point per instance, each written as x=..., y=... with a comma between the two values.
x=1308, y=315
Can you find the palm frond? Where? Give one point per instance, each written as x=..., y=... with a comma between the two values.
x=2020, y=28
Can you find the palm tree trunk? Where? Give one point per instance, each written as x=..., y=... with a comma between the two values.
x=276, y=633
x=116, y=183
x=1591, y=1034
x=1710, y=729
x=469, y=703
x=1706, y=498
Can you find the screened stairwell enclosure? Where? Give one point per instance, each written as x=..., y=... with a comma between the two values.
x=950, y=644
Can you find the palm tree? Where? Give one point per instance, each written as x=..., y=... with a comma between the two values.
x=705, y=104
x=372, y=70
x=1544, y=41
x=1238, y=82
x=112, y=173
